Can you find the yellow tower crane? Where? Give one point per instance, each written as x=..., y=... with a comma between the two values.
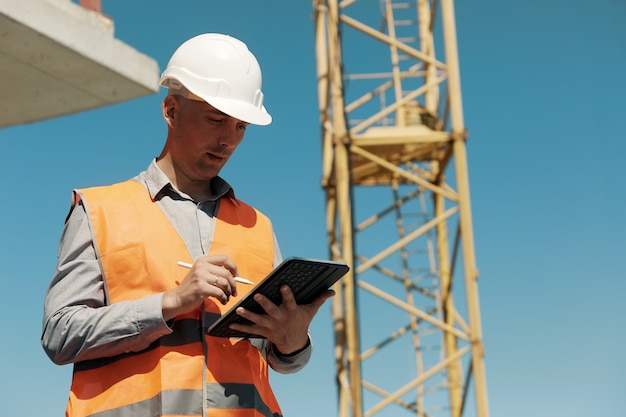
x=407, y=322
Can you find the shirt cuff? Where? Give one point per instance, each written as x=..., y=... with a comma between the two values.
x=150, y=317
x=292, y=354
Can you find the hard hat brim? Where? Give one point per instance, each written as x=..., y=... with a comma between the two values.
x=235, y=108
x=240, y=110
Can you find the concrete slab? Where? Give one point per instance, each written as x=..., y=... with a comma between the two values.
x=57, y=58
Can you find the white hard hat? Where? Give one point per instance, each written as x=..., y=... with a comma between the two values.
x=223, y=72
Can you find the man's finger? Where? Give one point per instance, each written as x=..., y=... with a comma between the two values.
x=268, y=306
x=289, y=300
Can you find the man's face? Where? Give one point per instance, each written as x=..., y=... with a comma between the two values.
x=204, y=138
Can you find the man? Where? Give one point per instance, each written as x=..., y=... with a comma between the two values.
x=119, y=307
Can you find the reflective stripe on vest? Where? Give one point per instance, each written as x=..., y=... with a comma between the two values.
x=138, y=250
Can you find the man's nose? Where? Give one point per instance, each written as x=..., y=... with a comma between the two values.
x=231, y=134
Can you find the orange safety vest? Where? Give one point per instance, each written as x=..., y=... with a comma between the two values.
x=180, y=373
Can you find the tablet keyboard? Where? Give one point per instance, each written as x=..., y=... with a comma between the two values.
x=297, y=275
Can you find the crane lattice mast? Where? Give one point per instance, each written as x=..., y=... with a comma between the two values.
x=407, y=325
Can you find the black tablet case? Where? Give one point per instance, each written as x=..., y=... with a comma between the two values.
x=306, y=278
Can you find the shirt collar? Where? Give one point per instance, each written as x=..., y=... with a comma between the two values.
x=158, y=184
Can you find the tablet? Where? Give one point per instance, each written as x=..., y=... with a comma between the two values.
x=307, y=278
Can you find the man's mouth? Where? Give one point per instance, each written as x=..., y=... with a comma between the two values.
x=216, y=156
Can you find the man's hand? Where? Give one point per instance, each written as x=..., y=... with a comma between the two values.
x=210, y=276
x=285, y=325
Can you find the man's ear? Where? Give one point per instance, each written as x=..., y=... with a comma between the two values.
x=169, y=108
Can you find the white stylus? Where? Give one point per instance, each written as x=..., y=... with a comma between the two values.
x=238, y=279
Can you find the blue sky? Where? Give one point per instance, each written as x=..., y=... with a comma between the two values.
x=543, y=93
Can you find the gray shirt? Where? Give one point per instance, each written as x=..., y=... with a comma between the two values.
x=79, y=325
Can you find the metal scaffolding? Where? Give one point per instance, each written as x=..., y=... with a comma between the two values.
x=407, y=320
